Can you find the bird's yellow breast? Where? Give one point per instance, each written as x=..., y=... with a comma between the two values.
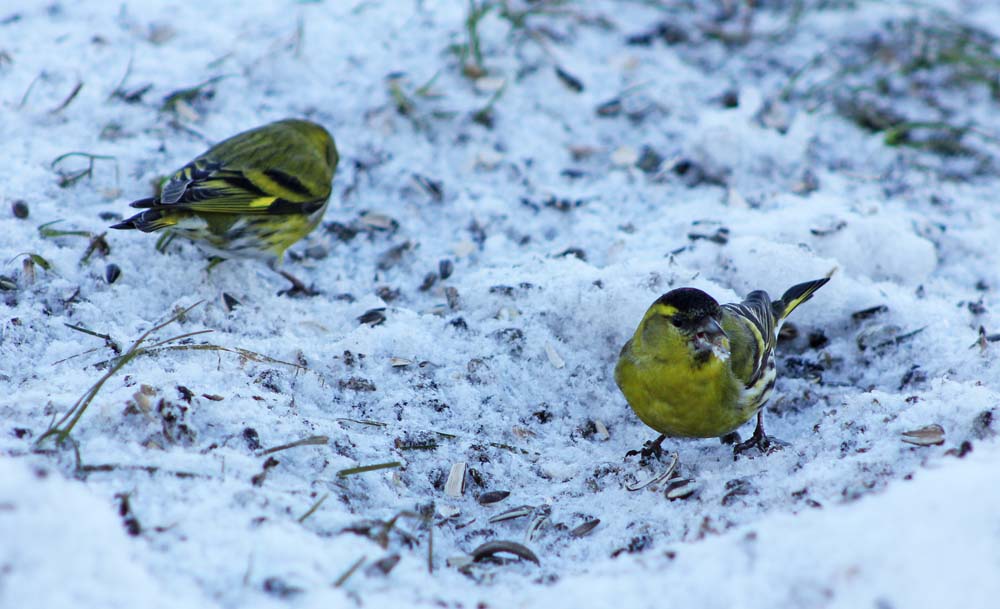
x=678, y=398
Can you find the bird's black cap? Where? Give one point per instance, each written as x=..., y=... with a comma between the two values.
x=691, y=303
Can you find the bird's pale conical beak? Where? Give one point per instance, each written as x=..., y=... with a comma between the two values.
x=711, y=336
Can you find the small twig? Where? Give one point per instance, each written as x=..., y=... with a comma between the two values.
x=314, y=507
x=368, y=468
x=149, y=469
x=350, y=571
x=111, y=344
x=68, y=100
x=310, y=441
x=72, y=416
x=27, y=92
x=250, y=355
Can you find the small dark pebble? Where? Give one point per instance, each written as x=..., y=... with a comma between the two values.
x=913, y=376
x=317, y=252
x=823, y=232
x=230, y=302
x=720, y=236
x=817, y=339
x=356, y=383
x=635, y=546
x=373, y=317
x=649, y=160
x=668, y=32
x=451, y=294
x=492, y=497
x=573, y=251
x=429, y=280
x=186, y=394
x=343, y=232
x=963, y=449
x=20, y=209
x=392, y=256
x=612, y=107
x=383, y=566
x=434, y=188
x=738, y=487
x=386, y=293
x=982, y=425
x=869, y=312
x=252, y=438
x=445, y=268
x=112, y=272
x=788, y=331
x=569, y=80
x=275, y=586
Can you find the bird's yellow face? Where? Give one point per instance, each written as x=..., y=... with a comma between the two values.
x=685, y=323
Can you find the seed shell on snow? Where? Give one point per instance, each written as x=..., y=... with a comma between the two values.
x=539, y=519
x=681, y=489
x=554, y=357
x=491, y=548
x=455, y=486
x=491, y=497
x=929, y=435
x=586, y=528
x=517, y=512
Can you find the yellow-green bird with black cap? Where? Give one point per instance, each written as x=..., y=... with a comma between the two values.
x=250, y=196
x=698, y=369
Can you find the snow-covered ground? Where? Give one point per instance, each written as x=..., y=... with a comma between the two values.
x=597, y=155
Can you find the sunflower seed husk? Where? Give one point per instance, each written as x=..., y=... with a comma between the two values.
x=491, y=548
x=585, y=529
x=491, y=497
x=554, y=358
x=665, y=475
x=459, y=562
x=517, y=512
x=681, y=489
x=602, y=430
x=929, y=435
x=378, y=221
x=455, y=485
x=112, y=272
x=538, y=520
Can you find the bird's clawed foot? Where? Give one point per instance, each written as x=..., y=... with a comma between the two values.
x=652, y=449
x=298, y=288
x=759, y=440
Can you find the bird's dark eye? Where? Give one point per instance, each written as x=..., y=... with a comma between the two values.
x=676, y=320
